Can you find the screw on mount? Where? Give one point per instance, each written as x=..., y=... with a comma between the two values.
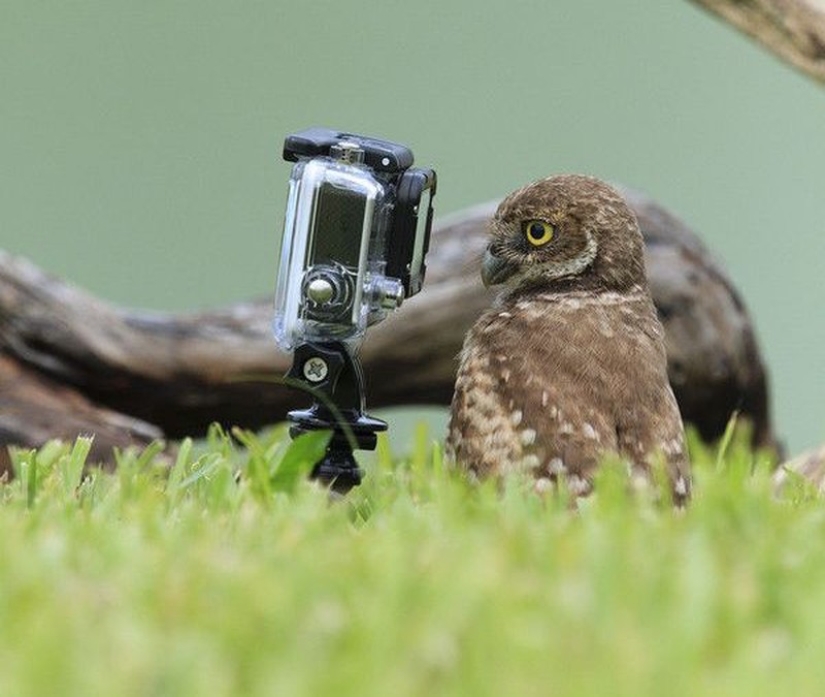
x=334, y=373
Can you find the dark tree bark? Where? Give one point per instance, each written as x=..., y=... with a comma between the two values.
x=71, y=363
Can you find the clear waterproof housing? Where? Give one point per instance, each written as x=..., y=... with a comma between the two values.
x=356, y=233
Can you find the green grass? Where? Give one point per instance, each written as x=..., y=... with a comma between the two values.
x=232, y=575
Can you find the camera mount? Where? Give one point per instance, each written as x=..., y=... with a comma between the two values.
x=337, y=380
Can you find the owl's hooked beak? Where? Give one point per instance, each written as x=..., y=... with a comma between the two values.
x=495, y=270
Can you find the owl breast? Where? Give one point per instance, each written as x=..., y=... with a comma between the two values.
x=551, y=383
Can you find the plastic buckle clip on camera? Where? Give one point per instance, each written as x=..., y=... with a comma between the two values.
x=356, y=235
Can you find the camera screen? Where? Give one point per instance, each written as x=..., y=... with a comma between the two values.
x=337, y=227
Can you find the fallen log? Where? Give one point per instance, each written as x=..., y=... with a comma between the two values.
x=71, y=363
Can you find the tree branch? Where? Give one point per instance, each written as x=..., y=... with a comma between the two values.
x=794, y=30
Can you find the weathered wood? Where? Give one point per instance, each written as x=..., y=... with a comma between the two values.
x=35, y=408
x=794, y=30
x=809, y=465
x=73, y=363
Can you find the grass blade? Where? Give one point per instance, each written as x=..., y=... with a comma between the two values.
x=299, y=459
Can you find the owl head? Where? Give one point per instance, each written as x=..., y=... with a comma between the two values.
x=568, y=232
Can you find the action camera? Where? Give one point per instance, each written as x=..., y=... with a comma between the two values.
x=356, y=234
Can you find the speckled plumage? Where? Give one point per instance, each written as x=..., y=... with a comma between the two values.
x=569, y=365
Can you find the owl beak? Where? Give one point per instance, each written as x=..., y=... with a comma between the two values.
x=495, y=270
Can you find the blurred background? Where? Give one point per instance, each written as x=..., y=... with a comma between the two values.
x=140, y=142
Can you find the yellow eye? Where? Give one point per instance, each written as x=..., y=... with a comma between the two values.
x=538, y=232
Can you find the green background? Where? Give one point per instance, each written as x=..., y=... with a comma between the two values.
x=140, y=142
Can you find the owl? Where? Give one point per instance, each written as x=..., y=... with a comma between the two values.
x=569, y=364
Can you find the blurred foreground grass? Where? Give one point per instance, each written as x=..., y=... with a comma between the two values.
x=233, y=575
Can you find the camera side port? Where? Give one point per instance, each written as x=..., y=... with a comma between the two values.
x=384, y=295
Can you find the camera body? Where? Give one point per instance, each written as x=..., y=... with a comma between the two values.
x=356, y=235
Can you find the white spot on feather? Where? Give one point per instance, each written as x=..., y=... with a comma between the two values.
x=672, y=447
x=556, y=466
x=578, y=486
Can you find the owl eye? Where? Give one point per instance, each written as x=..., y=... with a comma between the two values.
x=538, y=232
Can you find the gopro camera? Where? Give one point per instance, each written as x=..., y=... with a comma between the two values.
x=356, y=234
